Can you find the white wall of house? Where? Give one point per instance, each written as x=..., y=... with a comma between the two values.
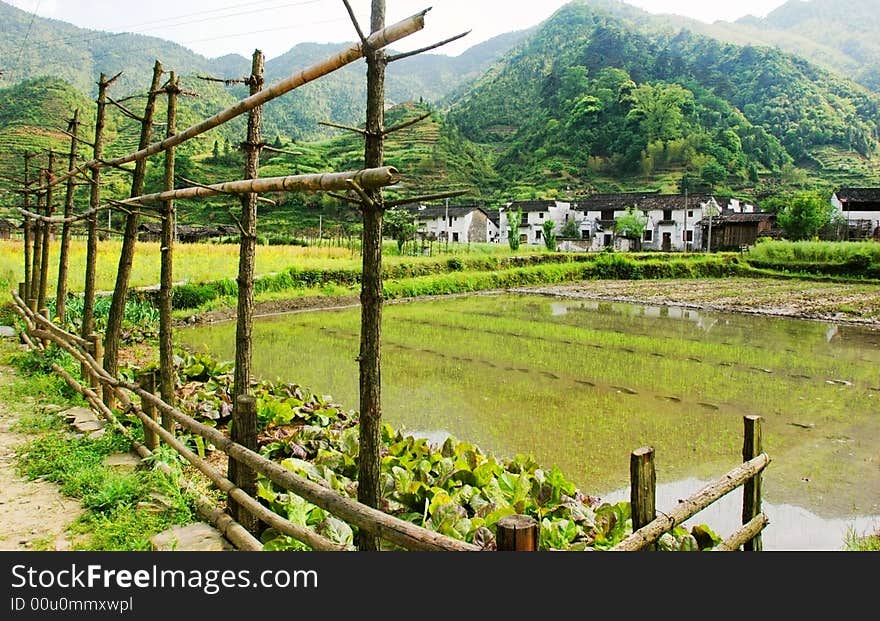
x=458, y=227
x=531, y=229
x=853, y=215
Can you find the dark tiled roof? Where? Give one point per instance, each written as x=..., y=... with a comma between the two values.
x=859, y=195
x=441, y=212
x=646, y=200
x=739, y=218
x=531, y=206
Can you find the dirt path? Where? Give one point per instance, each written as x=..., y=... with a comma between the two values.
x=33, y=514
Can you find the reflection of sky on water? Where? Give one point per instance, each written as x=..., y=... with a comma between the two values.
x=791, y=528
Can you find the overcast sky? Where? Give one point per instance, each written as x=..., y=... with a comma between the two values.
x=217, y=27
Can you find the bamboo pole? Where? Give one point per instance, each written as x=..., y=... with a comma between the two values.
x=356, y=51
x=643, y=489
x=129, y=237
x=168, y=375
x=752, y=447
x=64, y=253
x=693, y=505
x=321, y=182
x=88, y=318
x=742, y=536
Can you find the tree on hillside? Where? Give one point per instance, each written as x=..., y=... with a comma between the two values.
x=550, y=235
x=632, y=225
x=802, y=215
x=400, y=226
x=659, y=110
x=514, y=218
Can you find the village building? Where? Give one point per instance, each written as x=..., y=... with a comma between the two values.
x=7, y=228
x=465, y=225
x=185, y=233
x=672, y=221
x=534, y=215
x=861, y=209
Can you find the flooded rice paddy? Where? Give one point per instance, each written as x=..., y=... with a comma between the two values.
x=580, y=384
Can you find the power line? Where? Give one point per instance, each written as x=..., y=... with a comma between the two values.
x=28, y=33
x=139, y=29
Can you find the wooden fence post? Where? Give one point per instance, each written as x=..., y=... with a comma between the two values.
x=98, y=354
x=244, y=432
x=147, y=381
x=643, y=489
x=752, y=447
x=517, y=533
x=43, y=291
x=66, y=228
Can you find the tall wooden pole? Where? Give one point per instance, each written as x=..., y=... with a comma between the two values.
x=37, y=232
x=47, y=234
x=64, y=253
x=27, y=228
x=129, y=241
x=168, y=375
x=369, y=490
x=88, y=319
x=244, y=414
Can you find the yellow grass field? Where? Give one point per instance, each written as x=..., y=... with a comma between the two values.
x=193, y=263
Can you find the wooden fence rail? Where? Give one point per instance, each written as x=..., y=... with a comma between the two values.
x=387, y=527
x=648, y=528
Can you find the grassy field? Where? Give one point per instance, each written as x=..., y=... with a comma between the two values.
x=198, y=263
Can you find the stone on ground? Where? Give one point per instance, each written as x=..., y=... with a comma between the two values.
x=198, y=537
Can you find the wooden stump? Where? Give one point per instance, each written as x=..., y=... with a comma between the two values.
x=518, y=533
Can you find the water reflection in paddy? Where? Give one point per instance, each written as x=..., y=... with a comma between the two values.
x=580, y=384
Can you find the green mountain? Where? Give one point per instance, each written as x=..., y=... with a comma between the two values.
x=79, y=56
x=838, y=35
x=607, y=96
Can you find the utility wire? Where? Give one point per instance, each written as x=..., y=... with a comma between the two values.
x=139, y=28
x=28, y=33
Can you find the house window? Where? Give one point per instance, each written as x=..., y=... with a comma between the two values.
x=667, y=214
x=451, y=220
x=455, y=237
x=537, y=235
x=607, y=214
x=689, y=236
x=585, y=235
x=690, y=213
x=649, y=235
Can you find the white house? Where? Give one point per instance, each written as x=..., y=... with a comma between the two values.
x=672, y=220
x=861, y=208
x=455, y=224
x=534, y=215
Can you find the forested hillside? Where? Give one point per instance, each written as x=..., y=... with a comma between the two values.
x=590, y=98
x=602, y=96
x=79, y=56
x=839, y=35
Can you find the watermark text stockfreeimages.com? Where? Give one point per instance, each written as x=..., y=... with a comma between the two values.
x=208, y=581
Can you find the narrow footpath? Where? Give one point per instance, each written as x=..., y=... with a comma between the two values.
x=33, y=514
